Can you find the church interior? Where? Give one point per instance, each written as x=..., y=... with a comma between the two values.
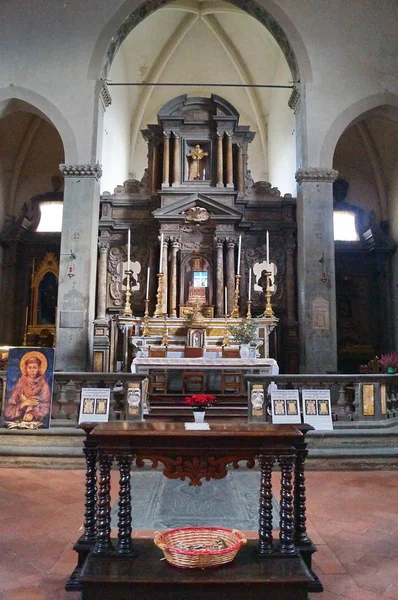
x=196, y=190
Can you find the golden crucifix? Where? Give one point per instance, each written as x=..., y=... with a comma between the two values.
x=194, y=168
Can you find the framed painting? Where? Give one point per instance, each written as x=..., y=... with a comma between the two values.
x=28, y=397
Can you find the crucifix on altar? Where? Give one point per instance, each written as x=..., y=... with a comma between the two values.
x=196, y=166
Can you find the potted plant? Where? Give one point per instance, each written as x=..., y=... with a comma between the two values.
x=245, y=333
x=199, y=403
x=389, y=362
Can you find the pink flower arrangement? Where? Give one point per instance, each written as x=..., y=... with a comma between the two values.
x=389, y=362
x=199, y=401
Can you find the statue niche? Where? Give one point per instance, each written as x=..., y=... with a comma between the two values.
x=196, y=285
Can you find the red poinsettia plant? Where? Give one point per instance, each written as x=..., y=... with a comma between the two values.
x=199, y=401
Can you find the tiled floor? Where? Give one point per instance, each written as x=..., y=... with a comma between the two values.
x=352, y=517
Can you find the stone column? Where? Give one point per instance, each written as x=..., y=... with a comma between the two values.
x=230, y=273
x=165, y=264
x=317, y=295
x=103, y=245
x=220, y=165
x=239, y=175
x=173, y=278
x=76, y=296
x=176, y=161
x=166, y=160
x=219, y=278
x=230, y=174
x=290, y=304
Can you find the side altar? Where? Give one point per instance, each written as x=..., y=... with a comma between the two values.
x=196, y=235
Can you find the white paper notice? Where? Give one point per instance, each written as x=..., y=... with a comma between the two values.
x=317, y=410
x=197, y=426
x=94, y=405
x=285, y=407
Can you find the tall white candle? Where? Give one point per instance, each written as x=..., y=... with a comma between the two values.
x=128, y=249
x=239, y=253
x=161, y=255
x=250, y=284
x=225, y=301
x=267, y=244
x=147, y=283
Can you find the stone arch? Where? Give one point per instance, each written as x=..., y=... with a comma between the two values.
x=347, y=118
x=14, y=98
x=266, y=12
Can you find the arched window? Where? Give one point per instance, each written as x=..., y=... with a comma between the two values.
x=344, y=224
x=50, y=216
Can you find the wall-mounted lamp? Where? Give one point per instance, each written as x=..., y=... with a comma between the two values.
x=71, y=266
x=323, y=273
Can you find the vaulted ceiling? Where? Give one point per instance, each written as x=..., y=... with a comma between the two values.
x=196, y=42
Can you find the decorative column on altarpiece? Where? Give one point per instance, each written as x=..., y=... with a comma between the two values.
x=230, y=273
x=166, y=160
x=316, y=270
x=173, y=277
x=240, y=184
x=176, y=160
x=219, y=278
x=165, y=264
x=220, y=160
x=103, y=246
x=230, y=174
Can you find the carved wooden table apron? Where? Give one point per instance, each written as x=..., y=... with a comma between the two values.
x=122, y=568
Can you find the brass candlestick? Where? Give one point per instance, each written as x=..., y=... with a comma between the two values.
x=145, y=330
x=235, y=308
x=269, y=313
x=249, y=309
x=127, y=312
x=225, y=339
x=159, y=298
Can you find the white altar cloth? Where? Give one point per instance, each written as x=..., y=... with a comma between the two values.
x=267, y=366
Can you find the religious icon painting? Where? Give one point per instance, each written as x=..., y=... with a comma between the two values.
x=100, y=406
x=323, y=407
x=88, y=406
x=292, y=407
x=28, y=397
x=310, y=407
x=279, y=407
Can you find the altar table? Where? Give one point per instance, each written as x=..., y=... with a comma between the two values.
x=124, y=568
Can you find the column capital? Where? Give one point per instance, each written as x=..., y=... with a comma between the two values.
x=220, y=134
x=294, y=99
x=166, y=135
x=231, y=242
x=103, y=244
x=229, y=134
x=316, y=174
x=88, y=171
x=176, y=134
x=219, y=242
x=175, y=243
x=105, y=95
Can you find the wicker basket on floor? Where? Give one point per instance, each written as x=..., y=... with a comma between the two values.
x=177, y=544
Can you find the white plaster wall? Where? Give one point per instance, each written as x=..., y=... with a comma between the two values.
x=116, y=130
x=48, y=48
x=281, y=135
